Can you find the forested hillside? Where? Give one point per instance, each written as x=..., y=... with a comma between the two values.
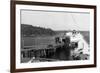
x=29, y=30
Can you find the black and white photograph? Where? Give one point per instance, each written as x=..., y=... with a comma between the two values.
x=54, y=36
x=51, y=36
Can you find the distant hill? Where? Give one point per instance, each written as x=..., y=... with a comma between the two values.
x=29, y=30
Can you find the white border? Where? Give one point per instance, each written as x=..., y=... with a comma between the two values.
x=52, y=64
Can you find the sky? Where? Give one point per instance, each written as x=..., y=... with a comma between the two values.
x=56, y=20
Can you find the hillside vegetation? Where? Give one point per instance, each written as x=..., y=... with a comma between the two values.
x=29, y=30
